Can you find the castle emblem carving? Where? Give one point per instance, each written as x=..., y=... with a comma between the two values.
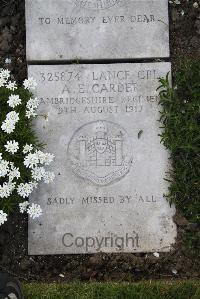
x=96, y=4
x=100, y=152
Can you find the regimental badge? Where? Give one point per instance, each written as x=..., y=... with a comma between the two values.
x=100, y=151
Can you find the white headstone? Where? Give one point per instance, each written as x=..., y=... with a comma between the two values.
x=101, y=122
x=96, y=29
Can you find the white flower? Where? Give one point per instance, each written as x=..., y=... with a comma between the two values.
x=30, y=84
x=5, y=74
x=27, y=148
x=7, y=189
x=11, y=85
x=34, y=184
x=156, y=254
x=31, y=113
x=4, y=191
x=45, y=158
x=195, y=5
x=24, y=190
x=3, y=217
x=1, y=156
x=14, y=116
x=12, y=186
x=34, y=211
x=49, y=177
x=8, y=61
x=23, y=206
x=2, y=82
x=14, y=173
x=38, y=173
x=32, y=103
x=4, y=168
x=12, y=146
x=8, y=126
x=14, y=101
x=12, y=165
x=31, y=160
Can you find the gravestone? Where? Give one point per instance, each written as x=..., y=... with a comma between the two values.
x=96, y=29
x=101, y=122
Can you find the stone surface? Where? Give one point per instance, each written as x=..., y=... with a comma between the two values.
x=96, y=29
x=101, y=122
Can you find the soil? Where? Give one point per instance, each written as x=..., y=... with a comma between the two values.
x=180, y=263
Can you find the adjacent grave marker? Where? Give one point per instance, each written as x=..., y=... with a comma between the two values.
x=101, y=122
x=96, y=29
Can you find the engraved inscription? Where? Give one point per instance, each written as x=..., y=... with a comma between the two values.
x=100, y=121
x=100, y=152
x=96, y=4
x=93, y=30
x=100, y=92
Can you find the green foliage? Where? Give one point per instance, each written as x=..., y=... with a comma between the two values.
x=180, y=118
x=23, y=134
x=142, y=290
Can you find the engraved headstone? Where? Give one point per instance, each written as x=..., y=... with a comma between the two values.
x=96, y=29
x=101, y=122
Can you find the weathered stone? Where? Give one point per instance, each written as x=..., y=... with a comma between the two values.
x=97, y=29
x=101, y=122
